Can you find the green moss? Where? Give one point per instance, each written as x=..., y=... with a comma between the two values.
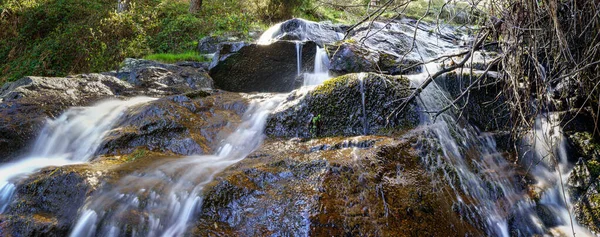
x=594, y=168
x=139, y=153
x=328, y=86
x=586, y=143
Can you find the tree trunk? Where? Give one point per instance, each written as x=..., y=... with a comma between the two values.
x=123, y=6
x=195, y=6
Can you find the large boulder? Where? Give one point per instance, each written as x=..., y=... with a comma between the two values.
x=159, y=79
x=26, y=103
x=336, y=108
x=298, y=29
x=182, y=125
x=359, y=186
x=264, y=68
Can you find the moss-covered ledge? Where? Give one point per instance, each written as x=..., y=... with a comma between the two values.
x=335, y=108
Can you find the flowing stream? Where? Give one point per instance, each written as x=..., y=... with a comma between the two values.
x=167, y=197
x=71, y=138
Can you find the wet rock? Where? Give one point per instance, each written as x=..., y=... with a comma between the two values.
x=397, y=38
x=224, y=50
x=184, y=124
x=335, y=108
x=585, y=145
x=298, y=29
x=25, y=104
x=487, y=108
x=579, y=179
x=159, y=79
x=46, y=203
x=567, y=93
x=210, y=44
x=350, y=57
x=285, y=189
x=263, y=68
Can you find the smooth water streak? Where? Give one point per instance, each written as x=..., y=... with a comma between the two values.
x=71, y=138
x=321, y=69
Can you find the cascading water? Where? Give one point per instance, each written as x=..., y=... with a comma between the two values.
x=486, y=185
x=321, y=70
x=550, y=168
x=167, y=197
x=71, y=138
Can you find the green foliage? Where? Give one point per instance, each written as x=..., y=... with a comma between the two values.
x=60, y=37
x=172, y=58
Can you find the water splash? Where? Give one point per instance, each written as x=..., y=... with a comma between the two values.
x=167, y=197
x=71, y=138
x=321, y=69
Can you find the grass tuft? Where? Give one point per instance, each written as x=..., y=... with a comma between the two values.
x=173, y=58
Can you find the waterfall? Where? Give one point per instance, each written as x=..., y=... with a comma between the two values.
x=321, y=69
x=550, y=169
x=299, y=57
x=474, y=168
x=71, y=138
x=167, y=197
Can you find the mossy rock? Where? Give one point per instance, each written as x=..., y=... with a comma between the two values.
x=336, y=186
x=335, y=108
x=587, y=208
x=585, y=145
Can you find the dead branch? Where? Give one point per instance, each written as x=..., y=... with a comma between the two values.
x=431, y=78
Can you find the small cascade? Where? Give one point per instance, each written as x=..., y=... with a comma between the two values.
x=167, y=197
x=460, y=168
x=299, y=57
x=71, y=138
x=551, y=169
x=477, y=172
x=321, y=69
x=361, y=78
